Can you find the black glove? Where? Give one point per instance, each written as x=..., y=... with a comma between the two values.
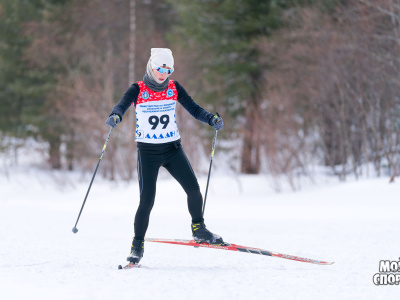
x=113, y=120
x=217, y=122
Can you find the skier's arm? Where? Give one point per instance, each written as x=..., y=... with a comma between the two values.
x=126, y=101
x=192, y=107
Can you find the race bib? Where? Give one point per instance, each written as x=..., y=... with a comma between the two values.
x=155, y=115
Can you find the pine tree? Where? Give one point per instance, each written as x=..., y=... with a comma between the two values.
x=226, y=35
x=23, y=87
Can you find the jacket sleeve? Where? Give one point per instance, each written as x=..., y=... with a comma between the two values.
x=126, y=101
x=192, y=107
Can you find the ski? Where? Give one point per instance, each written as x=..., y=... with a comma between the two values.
x=129, y=266
x=234, y=247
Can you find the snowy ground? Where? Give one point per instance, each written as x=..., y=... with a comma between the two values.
x=354, y=224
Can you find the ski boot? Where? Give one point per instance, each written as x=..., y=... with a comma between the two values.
x=137, y=250
x=202, y=235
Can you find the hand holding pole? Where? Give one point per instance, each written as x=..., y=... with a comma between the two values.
x=209, y=171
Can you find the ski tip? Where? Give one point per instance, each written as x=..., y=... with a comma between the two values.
x=324, y=263
x=129, y=266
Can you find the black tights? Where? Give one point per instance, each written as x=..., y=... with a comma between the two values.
x=171, y=156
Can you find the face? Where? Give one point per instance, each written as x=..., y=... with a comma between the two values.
x=160, y=76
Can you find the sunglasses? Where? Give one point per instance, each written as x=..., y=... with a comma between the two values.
x=163, y=70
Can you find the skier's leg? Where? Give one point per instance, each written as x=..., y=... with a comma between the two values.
x=179, y=167
x=148, y=166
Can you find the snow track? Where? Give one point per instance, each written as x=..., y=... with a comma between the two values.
x=355, y=224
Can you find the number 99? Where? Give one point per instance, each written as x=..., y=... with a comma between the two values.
x=154, y=120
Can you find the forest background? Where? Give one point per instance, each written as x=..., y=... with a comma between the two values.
x=298, y=83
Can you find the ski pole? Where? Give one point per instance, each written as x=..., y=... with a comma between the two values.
x=209, y=171
x=75, y=230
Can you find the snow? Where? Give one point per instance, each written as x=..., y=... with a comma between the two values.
x=355, y=224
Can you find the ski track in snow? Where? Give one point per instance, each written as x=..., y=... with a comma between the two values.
x=354, y=224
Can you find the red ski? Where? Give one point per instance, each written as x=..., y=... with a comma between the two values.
x=239, y=248
x=130, y=266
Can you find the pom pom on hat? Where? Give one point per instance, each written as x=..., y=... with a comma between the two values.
x=161, y=57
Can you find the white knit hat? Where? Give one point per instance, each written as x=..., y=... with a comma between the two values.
x=161, y=57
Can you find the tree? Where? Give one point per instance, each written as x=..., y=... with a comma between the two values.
x=226, y=34
x=24, y=88
x=86, y=45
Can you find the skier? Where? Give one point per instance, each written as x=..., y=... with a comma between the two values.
x=159, y=144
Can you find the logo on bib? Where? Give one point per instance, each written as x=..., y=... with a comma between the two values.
x=170, y=93
x=145, y=95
